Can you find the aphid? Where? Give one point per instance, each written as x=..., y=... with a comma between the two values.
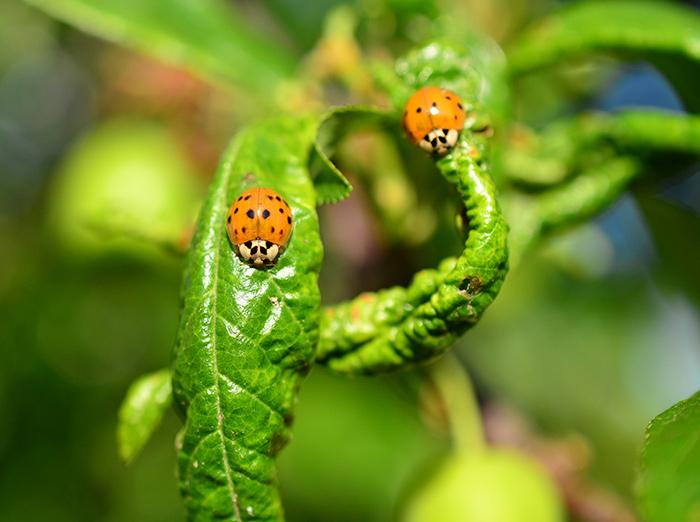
x=433, y=118
x=259, y=224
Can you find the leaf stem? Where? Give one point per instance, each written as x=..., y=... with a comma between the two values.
x=455, y=388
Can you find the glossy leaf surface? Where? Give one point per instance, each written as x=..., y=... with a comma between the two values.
x=668, y=486
x=247, y=336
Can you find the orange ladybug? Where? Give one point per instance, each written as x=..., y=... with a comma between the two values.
x=259, y=224
x=433, y=118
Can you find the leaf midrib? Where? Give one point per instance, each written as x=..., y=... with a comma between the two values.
x=219, y=412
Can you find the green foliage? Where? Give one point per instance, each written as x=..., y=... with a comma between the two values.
x=667, y=484
x=578, y=167
x=247, y=336
x=399, y=327
x=664, y=33
x=330, y=184
x=205, y=36
x=141, y=411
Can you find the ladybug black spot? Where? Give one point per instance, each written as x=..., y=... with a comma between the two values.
x=239, y=198
x=281, y=211
x=246, y=198
x=426, y=137
x=444, y=131
x=266, y=214
x=272, y=230
x=455, y=116
x=228, y=219
x=460, y=106
x=277, y=198
x=268, y=244
x=289, y=220
x=434, y=104
x=269, y=197
x=263, y=250
x=254, y=250
x=235, y=210
x=419, y=110
x=250, y=213
x=448, y=97
x=433, y=142
x=243, y=230
x=248, y=243
x=281, y=231
x=442, y=139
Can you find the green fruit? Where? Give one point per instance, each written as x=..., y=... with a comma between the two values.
x=123, y=187
x=492, y=486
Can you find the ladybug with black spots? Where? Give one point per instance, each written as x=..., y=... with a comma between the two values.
x=433, y=118
x=259, y=224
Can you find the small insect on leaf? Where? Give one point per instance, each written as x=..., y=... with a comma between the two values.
x=433, y=118
x=258, y=234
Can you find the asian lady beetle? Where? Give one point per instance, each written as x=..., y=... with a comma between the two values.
x=433, y=118
x=259, y=224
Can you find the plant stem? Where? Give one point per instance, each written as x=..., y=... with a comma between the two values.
x=457, y=392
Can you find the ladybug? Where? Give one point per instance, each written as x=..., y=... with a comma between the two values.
x=259, y=224
x=433, y=118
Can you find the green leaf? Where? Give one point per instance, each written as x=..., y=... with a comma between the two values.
x=395, y=328
x=664, y=33
x=595, y=158
x=141, y=412
x=399, y=327
x=205, y=36
x=533, y=217
x=667, y=483
x=331, y=185
x=247, y=336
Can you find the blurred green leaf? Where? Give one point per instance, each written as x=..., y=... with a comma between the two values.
x=667, y=483
x=306, y=24
x=247, y=336
x=141, y=412
x=533, y=217
x=206, y=36
x=664, y=33
x=569, y=145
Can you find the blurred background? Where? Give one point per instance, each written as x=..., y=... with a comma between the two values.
x=104, y=157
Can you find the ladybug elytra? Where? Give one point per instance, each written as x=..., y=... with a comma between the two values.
x=259, y=224
x=433, y=118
